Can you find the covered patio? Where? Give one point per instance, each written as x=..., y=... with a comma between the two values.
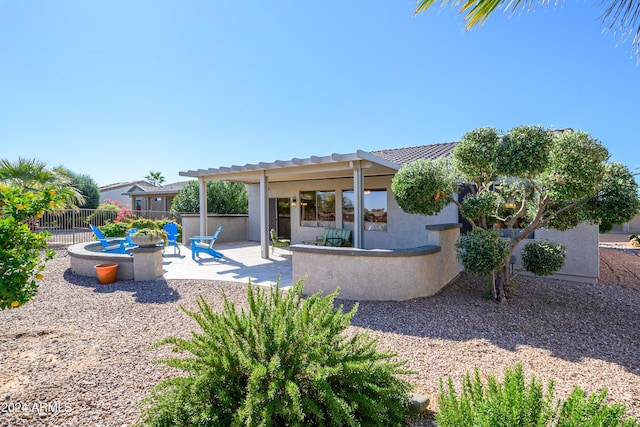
x=392, y=255
x=348, y=182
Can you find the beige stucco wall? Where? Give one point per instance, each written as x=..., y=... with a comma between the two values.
x=378, y=274
x=632, y=226
x=116, y=194
x=234, y=227
x=403, y=230
x=583, y=256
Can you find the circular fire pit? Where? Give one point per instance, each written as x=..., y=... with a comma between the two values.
x=84, y=257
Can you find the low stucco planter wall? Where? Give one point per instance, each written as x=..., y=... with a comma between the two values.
x=380, y=274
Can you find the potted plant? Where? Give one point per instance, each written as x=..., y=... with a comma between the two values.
x=148, y=237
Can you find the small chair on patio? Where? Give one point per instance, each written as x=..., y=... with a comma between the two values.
x=334, y=237
x=278, y=243
x=116, y=245
x=172, y=236
x=198, y=246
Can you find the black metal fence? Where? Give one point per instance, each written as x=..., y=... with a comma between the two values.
x=69, y=227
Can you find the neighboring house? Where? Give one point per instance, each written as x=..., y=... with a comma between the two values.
x=114, y=192
x=143, y=196
x=632, y=226
x=301, y=197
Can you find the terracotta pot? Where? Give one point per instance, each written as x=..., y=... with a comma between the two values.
x=106, y=273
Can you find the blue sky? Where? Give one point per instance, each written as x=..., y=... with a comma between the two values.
x=115, y=89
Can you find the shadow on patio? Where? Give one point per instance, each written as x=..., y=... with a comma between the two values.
x=242, y=262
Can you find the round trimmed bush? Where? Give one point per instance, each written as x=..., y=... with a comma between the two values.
x=482, y=251
x=543, y=257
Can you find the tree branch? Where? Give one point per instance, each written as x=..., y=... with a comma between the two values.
x=548, y=219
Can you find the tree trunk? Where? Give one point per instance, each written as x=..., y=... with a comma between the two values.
x=503, y=283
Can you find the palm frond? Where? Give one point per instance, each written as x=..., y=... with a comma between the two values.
x=623, y=16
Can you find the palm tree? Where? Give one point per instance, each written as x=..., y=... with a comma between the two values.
x=155, y=178
x=620, y=15
x=34, y=175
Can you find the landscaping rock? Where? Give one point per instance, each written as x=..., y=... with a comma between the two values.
x=418, y=403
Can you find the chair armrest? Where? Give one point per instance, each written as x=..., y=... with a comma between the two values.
x=198, y=238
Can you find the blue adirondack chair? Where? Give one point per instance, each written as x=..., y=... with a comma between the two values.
x=127, y=238
x=198, y=246
x=172, y=236
x=114, y=245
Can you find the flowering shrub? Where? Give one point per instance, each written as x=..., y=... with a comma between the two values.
x=22, y=253
x=110, y=211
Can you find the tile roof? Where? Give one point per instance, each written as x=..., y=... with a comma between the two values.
x=120, y=185
x=402, y=156
x=151, y=189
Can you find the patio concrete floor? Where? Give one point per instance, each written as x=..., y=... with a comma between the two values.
x=241, y=263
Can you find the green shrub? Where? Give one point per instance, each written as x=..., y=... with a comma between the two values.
x=283, y=362
x=582, y=410
x=146, y=223
x=105, y=212
x=543, y=257
x=115, y=229
x=423, y=186
x=482, y=251
x=514, y=404
x=120, y=228
x=480, y=205
x=23, y=253
x=223, y=197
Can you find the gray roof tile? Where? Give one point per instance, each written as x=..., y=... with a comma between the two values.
x=402, y=156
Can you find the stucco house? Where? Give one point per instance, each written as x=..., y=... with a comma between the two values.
x=115, y=191
x=632, y=226
x=146, y=197
x=301, y=197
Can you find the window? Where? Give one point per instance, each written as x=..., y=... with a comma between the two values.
x=318, y=208
x=375, y=210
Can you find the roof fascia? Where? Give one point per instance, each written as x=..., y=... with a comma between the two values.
x=284, y=167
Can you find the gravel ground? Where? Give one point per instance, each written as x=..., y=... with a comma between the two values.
x=77, y=356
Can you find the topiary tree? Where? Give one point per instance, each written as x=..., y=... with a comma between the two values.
x=525, y=179
x=283, y=362
x=223, y=197
x=22, y=253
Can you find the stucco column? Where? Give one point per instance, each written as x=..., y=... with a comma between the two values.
x=264, y=215
x=203, y=206
x=358, y=204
